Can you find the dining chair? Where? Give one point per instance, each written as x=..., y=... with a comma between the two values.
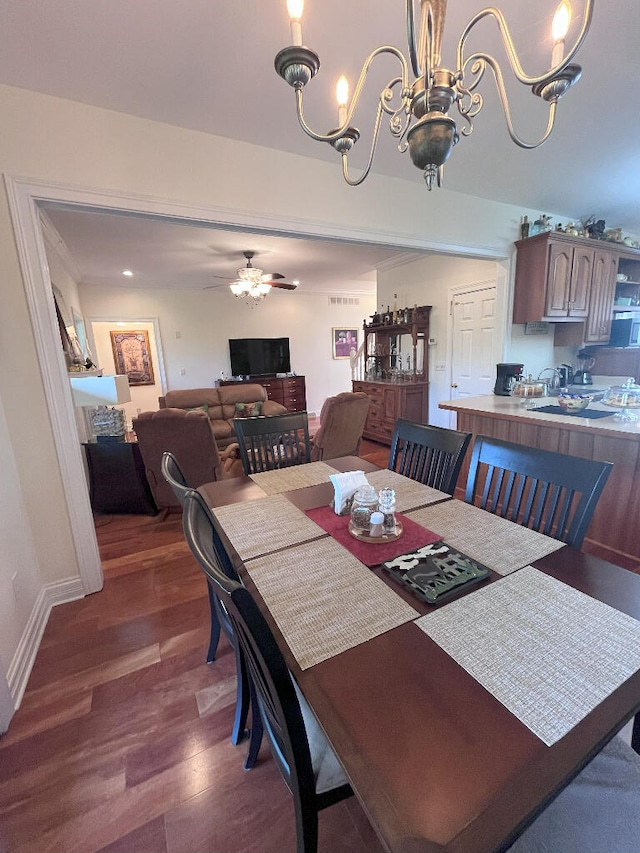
x=429, y=454
x=549, y=492
x=275, y=442
x=299, y=747
x=597, y=812
x=174, y=476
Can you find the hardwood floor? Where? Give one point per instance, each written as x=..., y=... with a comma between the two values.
x=121, y=744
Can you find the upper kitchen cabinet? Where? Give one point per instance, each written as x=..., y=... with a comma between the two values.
x=553, y=278
x=597, y=328
x=560, y=279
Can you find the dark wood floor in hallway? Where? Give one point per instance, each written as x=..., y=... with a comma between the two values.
x=121, y=744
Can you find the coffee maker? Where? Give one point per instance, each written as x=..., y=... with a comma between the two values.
x=508, y=374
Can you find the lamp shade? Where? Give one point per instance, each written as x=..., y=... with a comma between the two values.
x=100, y=390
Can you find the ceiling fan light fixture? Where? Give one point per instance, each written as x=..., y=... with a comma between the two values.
x=250, y=290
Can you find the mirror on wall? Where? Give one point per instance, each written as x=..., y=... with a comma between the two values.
x=72, y=334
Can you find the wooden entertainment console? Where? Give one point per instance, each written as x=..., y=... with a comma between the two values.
x=289, y=391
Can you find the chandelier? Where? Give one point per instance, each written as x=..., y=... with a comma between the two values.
x=420, y=121
x=250, y=284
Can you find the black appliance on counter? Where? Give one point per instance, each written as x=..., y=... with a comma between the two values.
x=583, y=376
x=566, y=375
x=507, y=376
x=625, y=332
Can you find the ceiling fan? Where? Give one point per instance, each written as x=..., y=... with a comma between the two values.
x=254, y=282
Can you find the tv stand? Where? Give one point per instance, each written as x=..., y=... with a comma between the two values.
x=289, y=391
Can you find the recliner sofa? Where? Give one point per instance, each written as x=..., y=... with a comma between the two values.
x=222, y=405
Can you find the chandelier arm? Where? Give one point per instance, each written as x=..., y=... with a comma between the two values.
x=411, y=39
x=337, y=134
x=510, y=47
x=354, y=182
x=497, y=73
x=426, y=43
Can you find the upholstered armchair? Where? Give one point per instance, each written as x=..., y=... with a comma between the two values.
x=342, y=422
x=189, y=436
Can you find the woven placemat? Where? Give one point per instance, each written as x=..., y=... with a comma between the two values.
x=295, y=477
x=324, y=600
x=409, y=494
x=265, y=525
x=495, y=542
x=549, y=653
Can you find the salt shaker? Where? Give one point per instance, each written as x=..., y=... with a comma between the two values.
x=377, y=522
x=387, y=504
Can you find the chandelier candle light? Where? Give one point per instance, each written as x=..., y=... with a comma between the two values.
x=420, y=121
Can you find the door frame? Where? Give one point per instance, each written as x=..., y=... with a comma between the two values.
x=24, y=197
x=500, y=283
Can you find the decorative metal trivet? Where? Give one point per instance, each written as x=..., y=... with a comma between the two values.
x=435, y=572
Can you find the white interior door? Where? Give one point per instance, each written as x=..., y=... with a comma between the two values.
x=475, y=341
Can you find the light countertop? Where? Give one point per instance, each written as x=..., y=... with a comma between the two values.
x=511, y=408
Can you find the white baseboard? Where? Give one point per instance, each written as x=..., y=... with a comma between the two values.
x=24, y=658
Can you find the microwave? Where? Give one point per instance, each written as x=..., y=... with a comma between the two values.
x=625, y=332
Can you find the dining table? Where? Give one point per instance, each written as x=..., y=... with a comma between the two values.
x=456, y=722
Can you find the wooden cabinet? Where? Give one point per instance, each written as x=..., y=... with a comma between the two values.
x=397, y=370
x=117, y=479
x=390, y=401
x=597, y=327
x=290, y=391
x=565, y=279
x=553, y=278
x=568, y=278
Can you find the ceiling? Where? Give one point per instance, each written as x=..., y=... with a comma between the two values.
x=208, y=65
x=166, y=255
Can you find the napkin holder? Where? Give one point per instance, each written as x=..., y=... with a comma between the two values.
x=345, y=485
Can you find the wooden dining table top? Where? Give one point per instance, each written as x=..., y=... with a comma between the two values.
x=437, y=762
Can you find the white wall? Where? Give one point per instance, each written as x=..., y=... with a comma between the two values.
x=206, y=319
x=144, y=398
x=80, y=152
x=428, y=282
x=20, y=579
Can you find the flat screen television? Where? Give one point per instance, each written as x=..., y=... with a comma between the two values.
x=259, y=356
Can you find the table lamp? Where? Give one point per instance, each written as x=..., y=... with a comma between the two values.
x=95, y=394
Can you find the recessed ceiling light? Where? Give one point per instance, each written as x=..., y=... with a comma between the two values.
x=127, y=272
x=296, y=282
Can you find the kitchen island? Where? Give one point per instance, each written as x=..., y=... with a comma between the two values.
x=614, y=530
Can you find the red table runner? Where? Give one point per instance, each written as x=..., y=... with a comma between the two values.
x=413, y=536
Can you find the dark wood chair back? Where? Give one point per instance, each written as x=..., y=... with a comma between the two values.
x=274, y=442
x=546, y=491
x=220, y=621
x=429, y=454
x=173, y=474
x=277, y=697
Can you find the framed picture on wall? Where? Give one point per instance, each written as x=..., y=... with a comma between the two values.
x=345, y=342
x=132, y=356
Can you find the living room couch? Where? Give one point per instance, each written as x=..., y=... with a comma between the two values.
x=222, y=405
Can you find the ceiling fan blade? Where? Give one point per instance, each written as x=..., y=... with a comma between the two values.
x=271, y=276
x=282, y=284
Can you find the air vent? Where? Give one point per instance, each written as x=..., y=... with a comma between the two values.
x=344, y=300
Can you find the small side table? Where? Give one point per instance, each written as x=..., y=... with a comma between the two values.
x=117, y=479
